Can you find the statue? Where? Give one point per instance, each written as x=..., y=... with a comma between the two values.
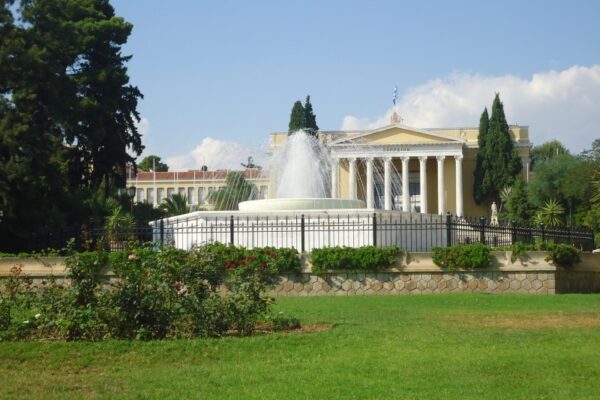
x=251, y=164
x=494, y=219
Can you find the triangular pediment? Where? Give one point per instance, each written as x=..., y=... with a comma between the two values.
x=397, y=134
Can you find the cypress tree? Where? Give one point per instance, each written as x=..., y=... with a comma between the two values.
x=309, y=118
x=519, y=207
x=297, y=118
x=483, y=130
x=500, y=162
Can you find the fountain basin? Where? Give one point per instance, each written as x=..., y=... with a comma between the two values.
x=293, y=204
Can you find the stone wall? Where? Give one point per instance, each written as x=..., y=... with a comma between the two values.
x=415, y=275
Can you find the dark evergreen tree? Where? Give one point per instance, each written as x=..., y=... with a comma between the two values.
x=153, y=162
x=519, y=207
x=309, y=118
x=500, y=162
x=297, y=118
x=484, y=121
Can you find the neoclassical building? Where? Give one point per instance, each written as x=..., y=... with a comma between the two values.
x=410, y=169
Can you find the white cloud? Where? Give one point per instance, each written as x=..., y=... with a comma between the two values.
x=143, y=127
x=562, y=105
x=215, y=154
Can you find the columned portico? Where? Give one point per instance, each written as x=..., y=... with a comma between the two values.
x=423, y=183
x=370, y=188
x=440, y=185
x=335, y=167
x=459, y=185
x=352, y=176
x=387, y=182
x=405, y=185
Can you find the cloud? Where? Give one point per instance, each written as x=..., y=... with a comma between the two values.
x=562, y=105
x=143, y=127
x=215, y=154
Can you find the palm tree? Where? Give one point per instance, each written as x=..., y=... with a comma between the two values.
x=175, y=205
x=550, y=214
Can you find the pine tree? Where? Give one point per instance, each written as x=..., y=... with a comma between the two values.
x=309, y=118
x=297, y=118
x=483, y=130
x=519, y=207
x=500, y=162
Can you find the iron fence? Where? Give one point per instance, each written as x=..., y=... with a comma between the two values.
x=412, y=232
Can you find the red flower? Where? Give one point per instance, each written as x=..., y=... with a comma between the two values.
x=264, y=265
x=229, y=265
x=242, y=262
x=250, y=258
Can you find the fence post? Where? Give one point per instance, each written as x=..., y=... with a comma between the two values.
x=570, y=240
x=162, y=233
x=543, y=233
x=513, y=232
x=482, y=230
x=374, y=229
x=448, y=229
x=231, y=229
x=302, y=247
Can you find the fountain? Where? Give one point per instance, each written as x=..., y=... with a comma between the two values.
x=302, y=170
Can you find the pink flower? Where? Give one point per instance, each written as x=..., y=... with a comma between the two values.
x=178, y=284
x=132, y=257
x=181, y=292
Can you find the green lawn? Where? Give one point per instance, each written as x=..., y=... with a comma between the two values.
x=421, y=347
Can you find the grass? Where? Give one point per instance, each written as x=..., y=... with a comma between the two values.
x=433, y=347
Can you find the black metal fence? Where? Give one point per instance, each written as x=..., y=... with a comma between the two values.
x=412, y=232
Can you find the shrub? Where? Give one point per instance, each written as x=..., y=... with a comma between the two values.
x=462, y=256
x=564, y=255
x=367, y=258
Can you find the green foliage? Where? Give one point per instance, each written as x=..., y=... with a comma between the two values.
x=462, y=256
x=564, y=255
x=236, y=190
x=67, y=112
x=546, y=151
x=518, y=206
x=310, y=119
x=153, y=163
x=563, y=178
x=120, y=227
x=366, y=258
x=497, y=160
x=175, y=205
x=484, y=122
x=551, y=214
x=297, y=118
x=152, y=294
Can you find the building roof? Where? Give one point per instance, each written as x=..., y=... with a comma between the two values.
x=219, y=174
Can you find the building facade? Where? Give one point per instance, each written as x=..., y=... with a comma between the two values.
x=398, y=167
x=195, y=185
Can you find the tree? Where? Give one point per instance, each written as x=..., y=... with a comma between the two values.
x=484, y=122
x=499, y=161
x=297, y=118
x=153, y=163
x=310, y=119
x=67, y=111
x=236, y=190
x=546, y=151
x=175, y=205
x=518, y=205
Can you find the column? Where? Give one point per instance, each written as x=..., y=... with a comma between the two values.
x=370, y=191
x=352, y=175
x=334, y=178
x=440, y=178
x=459, y=185
x=387, y=182
x=423, y=183
x=526, y=163
x=405, y=186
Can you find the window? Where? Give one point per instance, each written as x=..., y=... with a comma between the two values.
x=160, y=195
x=190, y=195
x=201, y=196
x=181, y=191
x=170, y=192
x=139, y=195
x=150, y=196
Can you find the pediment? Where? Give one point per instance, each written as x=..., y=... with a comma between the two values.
x=397, y=134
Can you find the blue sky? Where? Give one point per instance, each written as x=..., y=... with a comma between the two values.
x=229, y=71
